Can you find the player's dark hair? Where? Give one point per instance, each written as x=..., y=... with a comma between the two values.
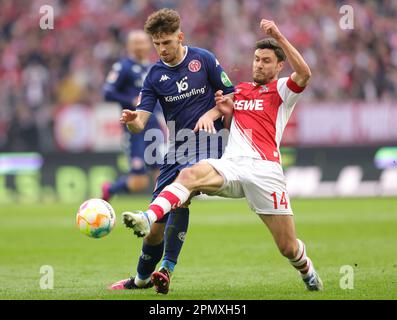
x=270, y=43
x=165, y=21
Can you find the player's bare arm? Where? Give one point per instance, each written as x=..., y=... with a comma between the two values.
x=206, y=122
x=224, y=103
x=302, y=71
x=134, y=120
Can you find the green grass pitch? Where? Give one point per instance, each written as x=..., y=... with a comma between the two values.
x=228, y=254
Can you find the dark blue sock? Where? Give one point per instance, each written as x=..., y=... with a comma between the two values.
x=151, y=255
x=175, y=232
x=119, y=186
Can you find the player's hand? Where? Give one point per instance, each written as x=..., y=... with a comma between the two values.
x=270, y=29
x=205, y=123
x=224, y=103
x=128, y=116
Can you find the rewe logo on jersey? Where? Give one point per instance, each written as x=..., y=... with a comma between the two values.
x=248, y=105
x=182, y=85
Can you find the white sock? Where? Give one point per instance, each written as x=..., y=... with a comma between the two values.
x=302, y=262
x=170, y=198
x=152, y=216
x=141, y=282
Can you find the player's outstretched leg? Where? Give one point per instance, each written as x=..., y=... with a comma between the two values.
x=201, y=176
x=170, y=198
x=282, y=228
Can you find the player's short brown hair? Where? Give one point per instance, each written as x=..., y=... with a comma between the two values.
x=270, y=43
x=163, y=21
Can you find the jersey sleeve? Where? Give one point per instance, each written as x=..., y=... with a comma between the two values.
x=147, y=98
x=114, y=82
x=216, y=75
x=289, y=91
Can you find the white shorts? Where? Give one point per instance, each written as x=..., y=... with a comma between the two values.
x=261, y=182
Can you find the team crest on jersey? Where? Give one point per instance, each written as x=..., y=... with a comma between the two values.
x=194, y=66
x=263, y=88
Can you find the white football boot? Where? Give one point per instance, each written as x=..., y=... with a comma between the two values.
x=138, y=221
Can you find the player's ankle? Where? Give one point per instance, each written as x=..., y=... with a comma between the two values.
x=141, y=281
x=310, y=271
x=167, y=265
x=151, y=216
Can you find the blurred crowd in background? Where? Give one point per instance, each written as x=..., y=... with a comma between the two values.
x=41, y=70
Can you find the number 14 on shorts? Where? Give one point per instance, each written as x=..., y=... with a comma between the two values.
x=283, y=200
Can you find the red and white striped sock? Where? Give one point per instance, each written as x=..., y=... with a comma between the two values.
x=302, y=262
x=172, y=197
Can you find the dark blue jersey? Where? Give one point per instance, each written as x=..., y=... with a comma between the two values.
x=185, y=91
x=124, y=82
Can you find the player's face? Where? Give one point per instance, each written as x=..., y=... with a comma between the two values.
x=266, y=66
x=139, y=46
x=168, y=46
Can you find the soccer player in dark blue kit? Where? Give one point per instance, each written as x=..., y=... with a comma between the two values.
x=123, y=85
x=184, y=82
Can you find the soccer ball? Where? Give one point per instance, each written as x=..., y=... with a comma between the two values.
x=95, y=218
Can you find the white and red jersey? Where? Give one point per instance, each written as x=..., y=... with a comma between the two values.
x=261, y=113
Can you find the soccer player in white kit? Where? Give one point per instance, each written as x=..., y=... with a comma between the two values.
x=250, y=166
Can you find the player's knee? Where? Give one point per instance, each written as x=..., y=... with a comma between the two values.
x=188, y=177
x=288, y=249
